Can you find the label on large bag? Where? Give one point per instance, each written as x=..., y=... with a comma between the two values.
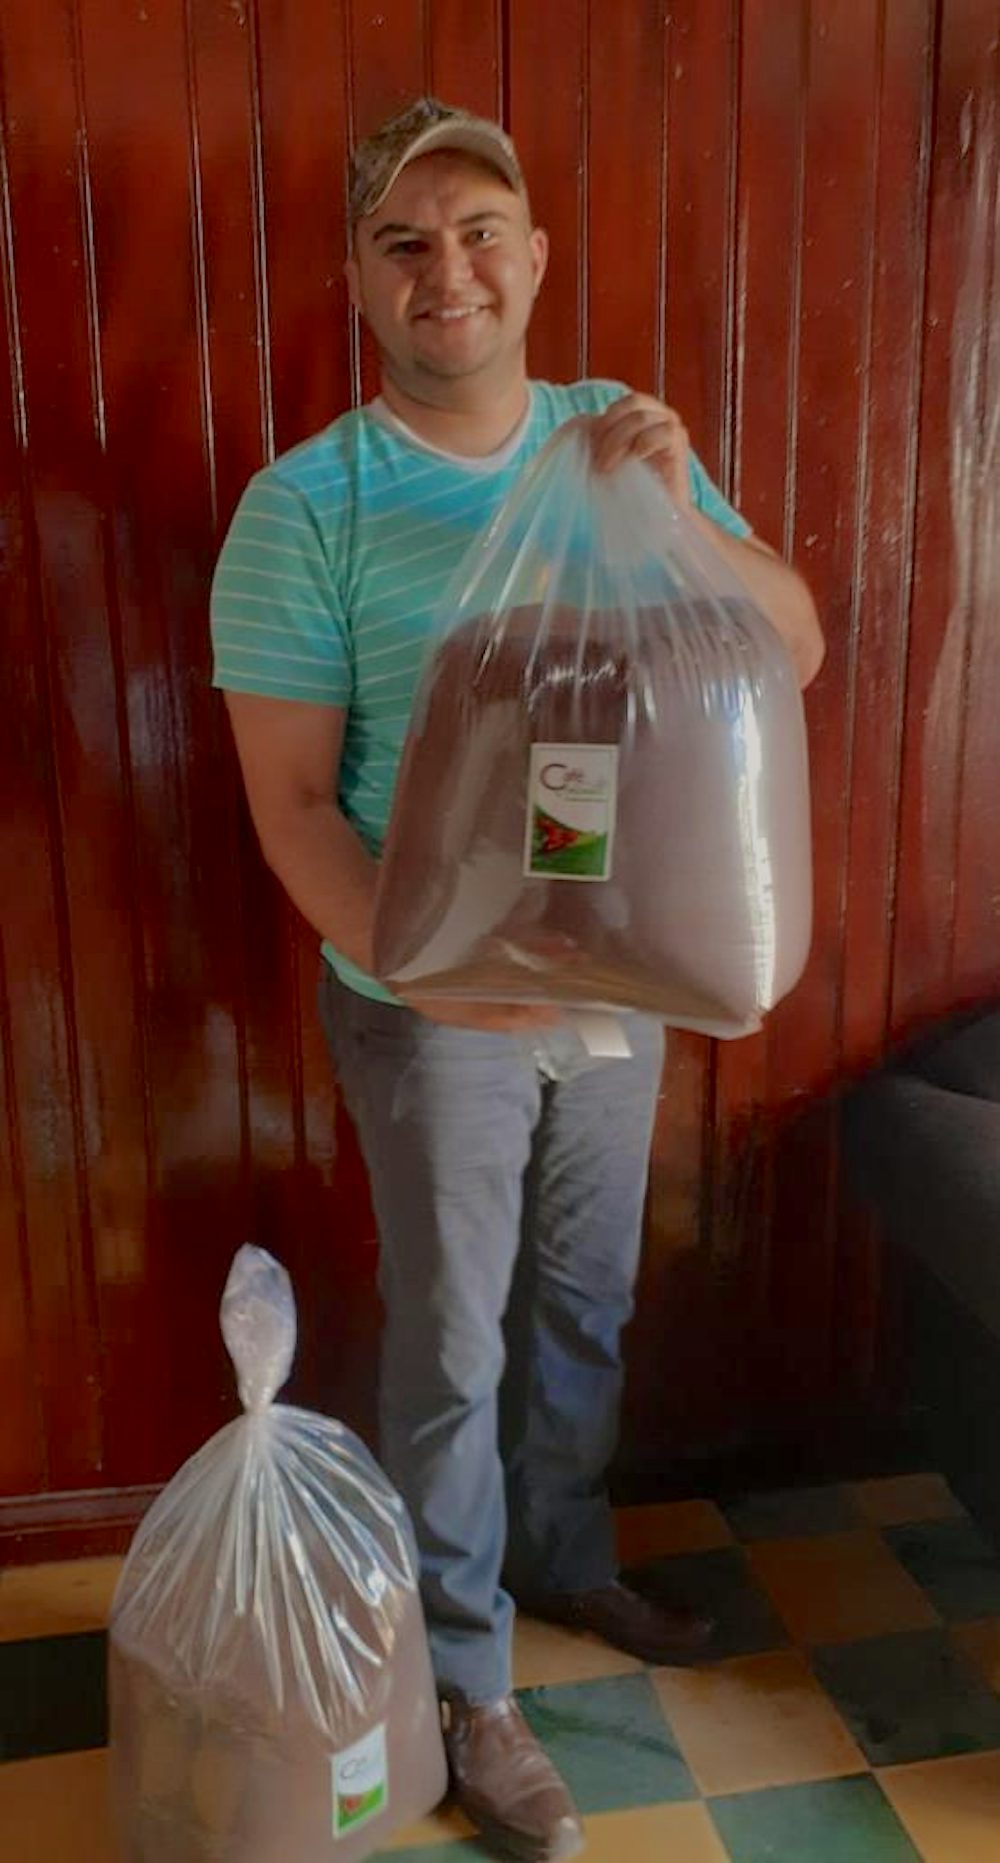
x=360, y=1782
x=572, y=794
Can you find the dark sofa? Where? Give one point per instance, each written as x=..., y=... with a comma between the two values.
x=922, y=1147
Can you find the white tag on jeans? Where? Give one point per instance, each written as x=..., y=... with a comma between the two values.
x=602, y=1034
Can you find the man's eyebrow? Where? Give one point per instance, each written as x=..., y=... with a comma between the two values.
x=392, y=228
x=395, y=229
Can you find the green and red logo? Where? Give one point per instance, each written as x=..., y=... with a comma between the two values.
x=354, y=1808
x=570, y=818
x=360, y=1782
x=559, y=849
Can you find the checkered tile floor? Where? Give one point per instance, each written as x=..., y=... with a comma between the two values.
x=849, y=1712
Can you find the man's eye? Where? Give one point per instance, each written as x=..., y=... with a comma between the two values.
x=481, y=236
x=405, y=248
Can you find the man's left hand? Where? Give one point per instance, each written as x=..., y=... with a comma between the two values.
x=640, y=427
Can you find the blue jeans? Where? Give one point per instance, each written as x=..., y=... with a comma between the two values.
x=509, y=1211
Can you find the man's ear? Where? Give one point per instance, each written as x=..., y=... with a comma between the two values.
x=539, y=241
x=353, y=276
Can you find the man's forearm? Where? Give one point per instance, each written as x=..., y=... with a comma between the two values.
x=778, y=590
x=328, y=873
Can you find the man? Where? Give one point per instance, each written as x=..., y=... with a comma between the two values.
x=326, y=592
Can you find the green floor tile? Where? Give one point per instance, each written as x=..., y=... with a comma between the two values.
x=792, y=1513
x=722, y=1584
x=610, y=1742
x=909, y=1697
x=836, y=1821
x=958, y=1569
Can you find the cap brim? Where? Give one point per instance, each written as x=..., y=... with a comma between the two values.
x=468, y=138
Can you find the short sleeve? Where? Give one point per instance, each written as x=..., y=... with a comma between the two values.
x=278, y=626
x=706, y=496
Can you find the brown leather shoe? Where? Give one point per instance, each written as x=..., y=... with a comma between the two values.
x=504, y=1783
x=654, y=1632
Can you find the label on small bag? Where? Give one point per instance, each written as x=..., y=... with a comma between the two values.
x=360, y=1782
x=572, y=795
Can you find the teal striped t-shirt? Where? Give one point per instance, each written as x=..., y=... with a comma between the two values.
x=332, y=577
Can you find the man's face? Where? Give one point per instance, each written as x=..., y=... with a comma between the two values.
x=445, y=273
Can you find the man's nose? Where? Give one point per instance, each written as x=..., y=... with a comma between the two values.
x=450, y=265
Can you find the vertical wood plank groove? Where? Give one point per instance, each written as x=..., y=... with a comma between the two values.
x=727, y=409
x=263, y=305
x=112, y=605
x=87, y=238
x=15, y=354
x=663, y=183
x=917, y=325
x=56, y=839
x=31, y=1405
x=795, y=317
x=861, y=506
x=501, y=33
x=204, y=347
x=354, y=325
x=977, y=918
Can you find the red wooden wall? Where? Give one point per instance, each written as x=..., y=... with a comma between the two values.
x=784, y=217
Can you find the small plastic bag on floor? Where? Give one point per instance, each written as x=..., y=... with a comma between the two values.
x=271, y=1690
x=603, y=801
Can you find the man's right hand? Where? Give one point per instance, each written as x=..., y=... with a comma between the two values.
x=488, y=1018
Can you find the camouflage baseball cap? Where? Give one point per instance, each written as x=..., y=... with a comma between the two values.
x=420, y=129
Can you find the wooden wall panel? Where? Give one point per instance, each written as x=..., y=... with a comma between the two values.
x=23, y=1447
x=767, y=221
x=27, y=946
x=702, y=50
x=889, y=387
x=839, y=71
x=782, y=219
x=309, y=1195
x=465, y=54
x=975, y=414
x=957, y=477
x=72, y=1058
x=894, y=285
x=22, y=1444
x=165, y=1375
x=626, y=167
x=547, y=64
x=256, y=182
x=685, y=1312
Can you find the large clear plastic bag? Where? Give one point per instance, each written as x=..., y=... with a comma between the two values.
x=271, y=1690
x=603, y=800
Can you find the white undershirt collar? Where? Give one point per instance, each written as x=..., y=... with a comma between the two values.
x=485, y=462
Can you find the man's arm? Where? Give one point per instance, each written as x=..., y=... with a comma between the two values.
x=778, y=590
x=639, y=427
x=289, y=754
